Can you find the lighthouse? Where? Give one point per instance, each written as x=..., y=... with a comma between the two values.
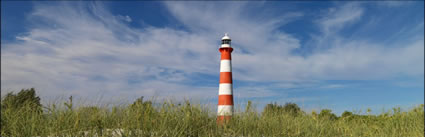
x=225, y=90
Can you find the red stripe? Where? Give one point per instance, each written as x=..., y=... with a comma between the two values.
x=225, y=77
x=225, y=100
x=225, y=53
x=226, y=56
x=226, y=49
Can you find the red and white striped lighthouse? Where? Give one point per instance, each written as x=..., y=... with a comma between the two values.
x=225, y=90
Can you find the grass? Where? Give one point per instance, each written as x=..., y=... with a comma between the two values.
x=170, y=119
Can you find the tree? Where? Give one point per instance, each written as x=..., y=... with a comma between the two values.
x=271, y=109
x=25, y=98
x=288, y=108
x=346, y=114
x=292, y=109
x=327, y=113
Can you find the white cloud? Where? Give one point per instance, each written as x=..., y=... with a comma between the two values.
x=337, y=18
x=91, y=51
x=125, y=18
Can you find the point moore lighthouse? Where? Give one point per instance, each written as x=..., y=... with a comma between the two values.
x=225, y=90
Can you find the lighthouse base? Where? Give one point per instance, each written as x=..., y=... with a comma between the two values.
x=223, y=119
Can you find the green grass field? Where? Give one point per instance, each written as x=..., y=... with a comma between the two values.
x=170, y=119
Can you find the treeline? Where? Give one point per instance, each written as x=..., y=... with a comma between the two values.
x=22, y=114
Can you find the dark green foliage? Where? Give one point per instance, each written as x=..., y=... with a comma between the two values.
x=271, y=109
x=327, y=114
x=292, y=108
x=25, y=105
x=346, y=114
x=288, y=108
x=26, y=97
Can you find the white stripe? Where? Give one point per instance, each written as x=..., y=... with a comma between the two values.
x=225, y=110
x=225, y=89
x=226, y=66
x=225, y=45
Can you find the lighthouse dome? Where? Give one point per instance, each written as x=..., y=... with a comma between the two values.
x=225, y=37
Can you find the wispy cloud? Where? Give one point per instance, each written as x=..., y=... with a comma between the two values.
x=335, y=19
x=85, y=50
x=90, y=51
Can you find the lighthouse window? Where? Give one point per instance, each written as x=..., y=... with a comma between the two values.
x=225, y=42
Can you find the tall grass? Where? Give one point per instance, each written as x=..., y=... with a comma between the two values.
x=171, y=119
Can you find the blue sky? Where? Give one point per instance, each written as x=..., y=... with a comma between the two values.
x=337, y=55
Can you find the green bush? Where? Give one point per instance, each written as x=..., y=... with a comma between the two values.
x=26, y=97
x=20, y=110
x=289, y=108
x=327, y=114
x=347, y=114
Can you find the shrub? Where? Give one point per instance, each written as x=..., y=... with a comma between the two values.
x=288, y=108
x=346, y=114
x=327, y=114
x=25, y=98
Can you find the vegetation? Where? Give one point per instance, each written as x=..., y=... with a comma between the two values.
x=288, y=108
x=26, y=97
x=20, y=116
